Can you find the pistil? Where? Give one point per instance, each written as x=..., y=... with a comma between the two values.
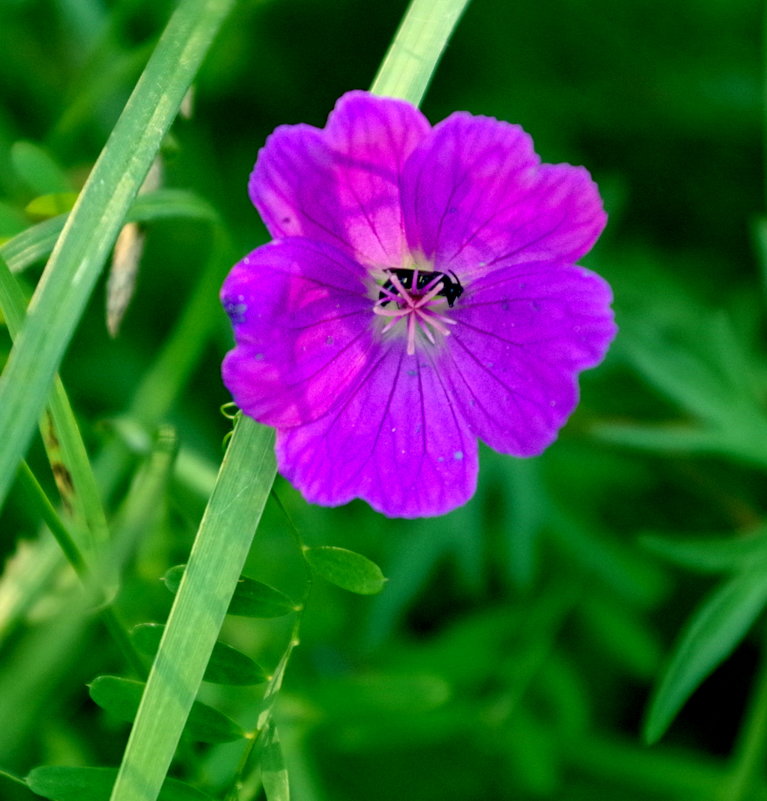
x=416, y=307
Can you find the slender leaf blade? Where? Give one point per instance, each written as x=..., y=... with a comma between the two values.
x=93, y=225
x=711, y=555
x=709, y=637
x=417, y=48
x=215, y=565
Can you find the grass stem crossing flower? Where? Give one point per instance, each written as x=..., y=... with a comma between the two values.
x=421, y=293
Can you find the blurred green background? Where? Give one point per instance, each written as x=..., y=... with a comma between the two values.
x=516, y=646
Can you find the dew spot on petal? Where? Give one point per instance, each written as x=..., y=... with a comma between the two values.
x=458, y=455
x=259, y=357
x=412, y=372
x=329, y=340
x=505, y=305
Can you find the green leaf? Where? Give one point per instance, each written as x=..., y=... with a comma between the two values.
x=51, y=205
x=254, y=599
x=38, y=169
x=274, y=774
x=227, y=665
x=251, y=598
x=346, y=569
x=62, y=783
x=711, y=555
x=217, y=558
x=708, y=638
x=417, y=48
x=61, y=436
x=36, y=243
x=92, y=227
x=172, y=578
x=121, y=697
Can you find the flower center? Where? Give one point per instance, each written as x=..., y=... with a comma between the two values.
x=417, y=298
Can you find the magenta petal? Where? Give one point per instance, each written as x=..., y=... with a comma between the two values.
x=341, y=184
x=302, y=325
x=522, y=335
x=395, y=442
x=474, y=194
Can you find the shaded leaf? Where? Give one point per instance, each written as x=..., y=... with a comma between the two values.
x=227, y=665
x=708, y=638
x=121, y=697
x=346, y=569
x=711, y=555
x=251, y=598
x=62, y=783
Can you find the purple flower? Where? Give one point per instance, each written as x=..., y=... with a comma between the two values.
x=420, y=293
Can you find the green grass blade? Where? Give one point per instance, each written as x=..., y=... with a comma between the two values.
x=36, y=243
x=61, y=436
x=711, y=634
x=92, y=227
x=417, y=48
x=238, y=499
x=211, y=575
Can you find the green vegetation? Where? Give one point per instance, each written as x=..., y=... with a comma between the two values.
x=590, y=626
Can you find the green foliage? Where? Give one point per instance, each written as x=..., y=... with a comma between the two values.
x=346, y=569
x=251, y=598
x=227, y=665
x=121, y=698
x=711, y=634
x=518, y=643
x=95, y=784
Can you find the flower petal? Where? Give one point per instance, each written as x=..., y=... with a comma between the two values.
x=395, y=442
x=522, y=334
x=302, y=325
x=474, y=194
x=341, y=184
